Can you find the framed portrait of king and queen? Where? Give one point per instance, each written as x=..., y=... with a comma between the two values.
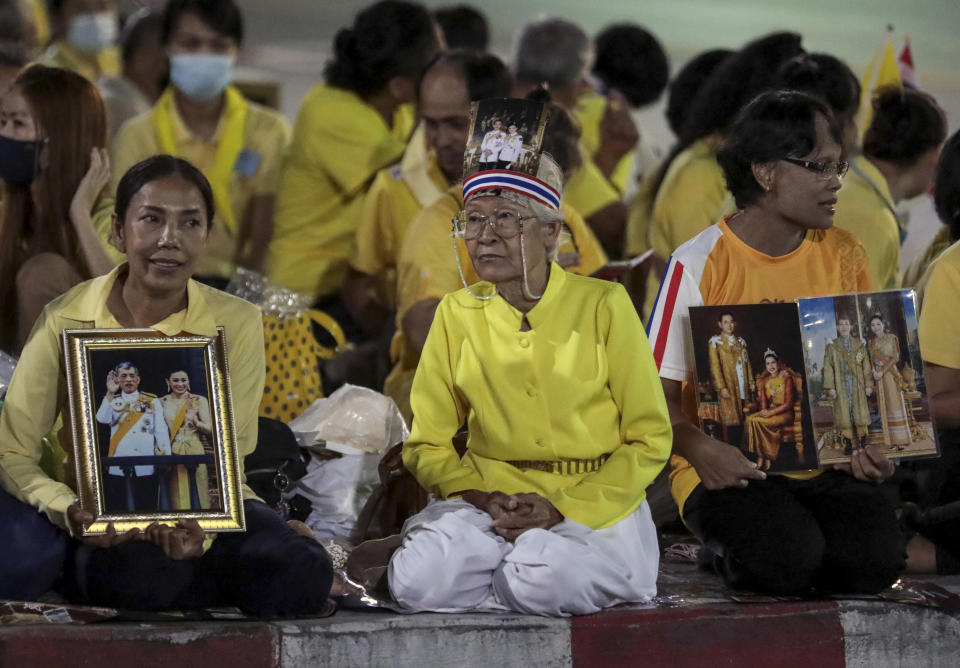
x=805, y=384
x=153, y=430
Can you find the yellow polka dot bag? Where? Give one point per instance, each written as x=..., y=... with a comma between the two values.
x=293, y=362
x=292, y=350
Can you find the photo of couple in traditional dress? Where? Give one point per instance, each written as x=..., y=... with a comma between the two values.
x=751, y=389
x=866, y=375
x=506, y=135
x=155, y=431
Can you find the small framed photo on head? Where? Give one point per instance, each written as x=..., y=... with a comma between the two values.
x=153, y=429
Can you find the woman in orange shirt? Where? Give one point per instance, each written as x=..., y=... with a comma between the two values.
x=829, y=530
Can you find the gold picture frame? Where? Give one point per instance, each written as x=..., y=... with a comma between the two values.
x=194, y=468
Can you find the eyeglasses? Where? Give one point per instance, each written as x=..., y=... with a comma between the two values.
x=825, y=170
x=506, y=224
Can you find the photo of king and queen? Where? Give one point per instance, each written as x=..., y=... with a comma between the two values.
x=866, y=375
x=751, y=388
x=155, y=431
x=505, y=135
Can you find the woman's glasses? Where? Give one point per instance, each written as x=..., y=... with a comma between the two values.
x=825, y=170
x=506, y=224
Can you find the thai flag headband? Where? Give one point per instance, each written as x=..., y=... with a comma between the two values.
x=519, y=182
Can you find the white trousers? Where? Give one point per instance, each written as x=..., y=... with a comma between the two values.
x=450, y=560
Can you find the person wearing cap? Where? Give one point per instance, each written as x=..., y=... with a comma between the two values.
x=545, y=514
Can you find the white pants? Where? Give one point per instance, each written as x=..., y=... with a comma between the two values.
x=450, y=560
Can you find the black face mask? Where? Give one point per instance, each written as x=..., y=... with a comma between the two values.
x=18, y=161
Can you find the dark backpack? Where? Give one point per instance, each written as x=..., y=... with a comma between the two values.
x=275, y=464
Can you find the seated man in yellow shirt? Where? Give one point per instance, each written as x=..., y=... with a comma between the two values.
x=545, y=514
x=431, y=164
x=238, y=145
x=347, y=129
x=84, y=33
x=432, y=264
x=558, y=53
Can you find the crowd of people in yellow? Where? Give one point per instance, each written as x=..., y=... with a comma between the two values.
x=138, y=178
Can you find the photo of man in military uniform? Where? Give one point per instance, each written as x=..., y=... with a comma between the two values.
x=137, y=428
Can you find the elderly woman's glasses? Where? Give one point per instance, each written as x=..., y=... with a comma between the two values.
x=506, y=224
x=825, y=170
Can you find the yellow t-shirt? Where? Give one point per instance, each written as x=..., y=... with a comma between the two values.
x=37, y=392
x=397, y=194
x=939, y=322
x=427, y=269
x=588, y=190
x=257, y=172
x=692, y=197
x=575, y=386
x=589, y=113
x=868, y=215
x=62, y=55
x=716, y=267
x=339, y=144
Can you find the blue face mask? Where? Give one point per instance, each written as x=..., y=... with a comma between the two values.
x=201, y=76
x=18, y=161
x=92, y=32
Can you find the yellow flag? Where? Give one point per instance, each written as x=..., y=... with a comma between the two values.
x=881, y=73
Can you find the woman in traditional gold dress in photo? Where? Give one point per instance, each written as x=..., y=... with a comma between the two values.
x=775, y=387
x=885, y=353
x=187, y=415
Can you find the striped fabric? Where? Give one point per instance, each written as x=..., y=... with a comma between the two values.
x=519, y=182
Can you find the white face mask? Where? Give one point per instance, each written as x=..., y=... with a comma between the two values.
x=201, y=76
x=93, y=32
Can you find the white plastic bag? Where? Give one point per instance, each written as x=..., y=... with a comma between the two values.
x=338, y=489
x=352, y=420
x=361, y=425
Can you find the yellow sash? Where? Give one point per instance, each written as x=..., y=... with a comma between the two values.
x=126, y=424
x=178, y=420
x=231, y=144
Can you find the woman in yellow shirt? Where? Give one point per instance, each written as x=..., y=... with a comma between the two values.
x=347, y=129
x=545, y=514
x=783, y=161
x=161, y=223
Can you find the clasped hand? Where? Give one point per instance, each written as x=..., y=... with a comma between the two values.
x=183, y=541
x=513, y=514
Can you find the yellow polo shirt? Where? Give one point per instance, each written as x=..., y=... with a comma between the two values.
x=62, y=55
x=38, y=393
x=427, y=269
x=397, y=194
x=575, y=386
x=588, y=190
x=339, y=144
x=867, y=213
x=266, y=136
x=692, y=197
x=939, y=321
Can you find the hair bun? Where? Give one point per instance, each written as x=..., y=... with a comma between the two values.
x=345, y=43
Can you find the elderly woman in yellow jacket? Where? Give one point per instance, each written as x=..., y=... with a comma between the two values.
x=545, y=514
